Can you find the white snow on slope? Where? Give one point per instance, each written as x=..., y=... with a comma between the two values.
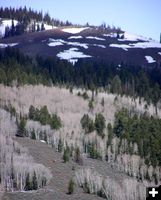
x=75, y=37
x=74, y=30
x=46, y=26
x=73, y=61
x=95, y=38
x=56, y=42
x=84, y=45
x=5, y=23
x=49, y=27
x=132, y=37
x=142, y=45
x=123, y=46
x=43, y=141
x=145, y=45
x=150, y=59
x=99, y=45
x=2, y=45
x=112, y=35
x=128, y=37
x=71, y=54
x=159, y=53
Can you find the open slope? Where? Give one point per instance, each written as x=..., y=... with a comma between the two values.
x=88, y=43
x=62, y=173
x=71, y=107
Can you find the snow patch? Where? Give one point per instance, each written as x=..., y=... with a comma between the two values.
x=112, y=35
x=49, y=27
x=159, y=53
x=123, y=46
x=145, y=45
x=46, y=26
x=150, y=59
x=72, y=54
x=142, y=45
x=99, y=45
x=74, y=30
x=75, y=37
x=8, y=45
x=56, y=42
x=4, y=24
x=84, y=45
x=133, y=37
x=43, y=141
x=95, y=38
x=73, y=61
x=127, y=37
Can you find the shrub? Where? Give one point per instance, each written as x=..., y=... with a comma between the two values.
x=71, y=187
x=78, y=158
x=66, y=155
x=60, y=146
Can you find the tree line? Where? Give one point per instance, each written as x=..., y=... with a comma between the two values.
x=25, y=17
x=135, y=81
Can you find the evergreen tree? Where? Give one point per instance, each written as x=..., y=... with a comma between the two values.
x=45, y=137
x=20, y=29
x=116, y=85
x=47, y=18
x=102, y=102
x=33, y=135
x=78, y=158
x=34, y=182
x=87, y=124
x=21, y=132
x=60, y=146
x=3, y=78
x=7, y=31
x=13, y=28
x=42, y=26
x=90, y=105
x=156, y=95
x=34, y=26
x=28, y=185
x=38, y=28
x=92, y=150
x=100, y=124
x=32, y=112
x=66, y=155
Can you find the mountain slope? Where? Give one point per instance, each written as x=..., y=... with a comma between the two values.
x=89, y=43
x=62, y=173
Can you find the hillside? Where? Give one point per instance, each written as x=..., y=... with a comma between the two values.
x=114, y=163
x=80, y=109
x=57, y=188
x=89, y=43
